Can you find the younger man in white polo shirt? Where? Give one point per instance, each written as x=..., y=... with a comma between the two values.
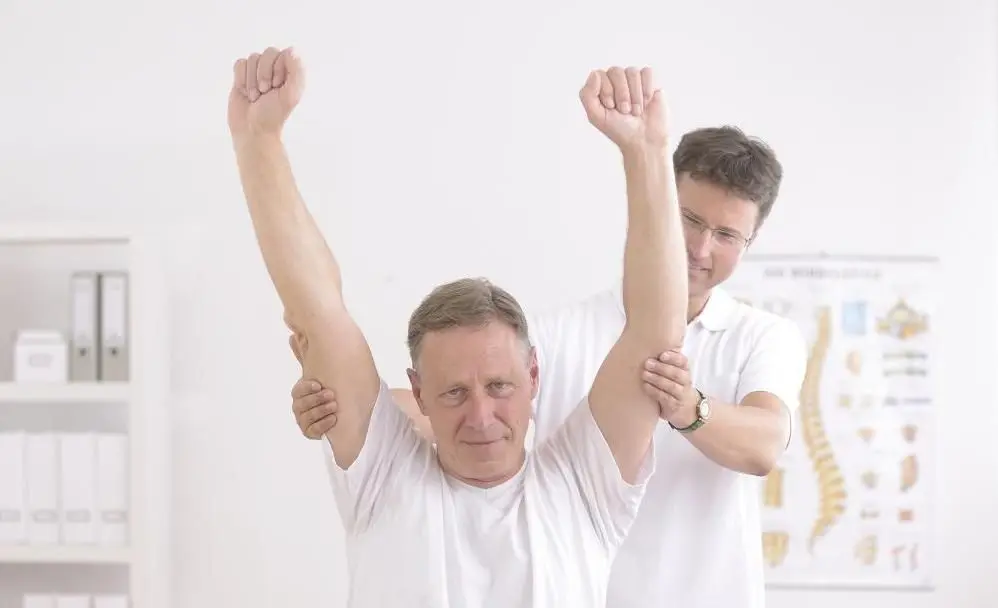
x=697, y=539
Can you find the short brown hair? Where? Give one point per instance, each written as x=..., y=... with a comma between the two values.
x=726, y=157
x=465, y=303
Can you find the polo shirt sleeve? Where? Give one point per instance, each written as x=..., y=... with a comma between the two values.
x=578, y=457
x=776, y=364
x=389, y=453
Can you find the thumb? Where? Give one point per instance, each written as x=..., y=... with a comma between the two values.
x=657, y=105
x=295, y=70
x=589, y=95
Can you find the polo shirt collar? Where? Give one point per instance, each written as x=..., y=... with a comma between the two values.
x=718, y=314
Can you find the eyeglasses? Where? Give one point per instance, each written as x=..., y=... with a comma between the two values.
x=723, y=237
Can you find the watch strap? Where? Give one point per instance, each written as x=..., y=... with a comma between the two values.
x=699, y=421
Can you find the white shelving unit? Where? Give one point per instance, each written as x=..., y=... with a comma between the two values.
x=146, y=555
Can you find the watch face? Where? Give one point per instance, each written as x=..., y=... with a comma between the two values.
x=704, y=409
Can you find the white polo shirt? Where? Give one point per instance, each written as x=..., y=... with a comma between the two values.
x=696, y=542
x=418, y=538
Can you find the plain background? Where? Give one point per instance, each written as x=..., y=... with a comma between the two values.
x=444, y=138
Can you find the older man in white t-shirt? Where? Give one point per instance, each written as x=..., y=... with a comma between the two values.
x=476, y=520
x=727, y=400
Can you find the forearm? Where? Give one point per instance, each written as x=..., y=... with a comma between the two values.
x=655, y=307
x=742, y=438
x=300, y=264
x=307, y=279
x=655, y=271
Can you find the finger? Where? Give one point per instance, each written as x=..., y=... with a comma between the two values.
x=319, y=411
x=635, y=93
x=621, y=94
x=674, y=358
x=265, y=69
x=305, y=387
x=606, y=90
x=665, y=370
x=302, y=405
x=280, y=70
x=239, y=76
x=666, y=403
x=647, y=84
x=666, y=385
x=320, y=427
x=252, y=90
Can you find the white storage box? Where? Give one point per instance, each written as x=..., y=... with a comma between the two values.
x=40, y=356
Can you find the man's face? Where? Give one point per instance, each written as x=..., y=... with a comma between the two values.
x=476, y=386
x=717, y=226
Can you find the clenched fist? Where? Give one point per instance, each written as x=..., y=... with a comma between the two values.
x=266, y=87
x=626, y=106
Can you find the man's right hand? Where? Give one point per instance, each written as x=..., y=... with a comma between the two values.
x=314, y=408
x=266, y=87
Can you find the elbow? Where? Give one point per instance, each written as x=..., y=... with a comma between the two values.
x=760, y=466
x=656, y=338
x=670, y=335
x=761, y=462
x=675, y=333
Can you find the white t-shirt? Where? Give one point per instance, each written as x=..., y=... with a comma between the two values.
x=417, y=537
x=697, y=539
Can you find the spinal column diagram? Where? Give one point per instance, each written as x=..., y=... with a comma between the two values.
x=831, y=485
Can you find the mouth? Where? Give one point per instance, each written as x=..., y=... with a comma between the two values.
x=479, y=444
x=695, y=268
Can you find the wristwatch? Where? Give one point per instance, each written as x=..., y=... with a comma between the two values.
x=703, y=414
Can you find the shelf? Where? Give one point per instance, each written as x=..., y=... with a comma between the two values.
x=26, y=234
x=63, y=554
x=74, y=392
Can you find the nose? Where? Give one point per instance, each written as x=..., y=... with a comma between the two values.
x=481, y=411
x=698, y=243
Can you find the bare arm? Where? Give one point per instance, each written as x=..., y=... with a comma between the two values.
x=301, y=266
x=654, y=306
x=655, y=289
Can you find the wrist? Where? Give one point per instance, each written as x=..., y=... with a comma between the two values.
x=693, y=413
x=643, y=153
x=257, y=139
x=683, y=417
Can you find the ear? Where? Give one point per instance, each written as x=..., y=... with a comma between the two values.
x=415, y=385
x=534, y=370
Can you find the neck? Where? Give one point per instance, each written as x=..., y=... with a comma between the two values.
x=484, y=481
x=695, y=306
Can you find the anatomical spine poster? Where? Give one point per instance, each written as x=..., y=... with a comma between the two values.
x=850, y=503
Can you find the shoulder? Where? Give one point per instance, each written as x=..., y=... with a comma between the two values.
x=603, y=309
x=758, y=328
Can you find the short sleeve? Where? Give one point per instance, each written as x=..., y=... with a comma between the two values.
x=571, y=343
x=579, y=454
x=390, y=451
x=776, y=364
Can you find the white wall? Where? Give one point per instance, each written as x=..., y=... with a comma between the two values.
x=459, y=121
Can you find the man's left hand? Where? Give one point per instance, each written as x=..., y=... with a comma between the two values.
x=667, y=380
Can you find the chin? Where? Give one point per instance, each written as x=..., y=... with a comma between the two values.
x=492, y=459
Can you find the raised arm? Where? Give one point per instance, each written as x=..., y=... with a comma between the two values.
x=627, y=108
x=266, y=89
